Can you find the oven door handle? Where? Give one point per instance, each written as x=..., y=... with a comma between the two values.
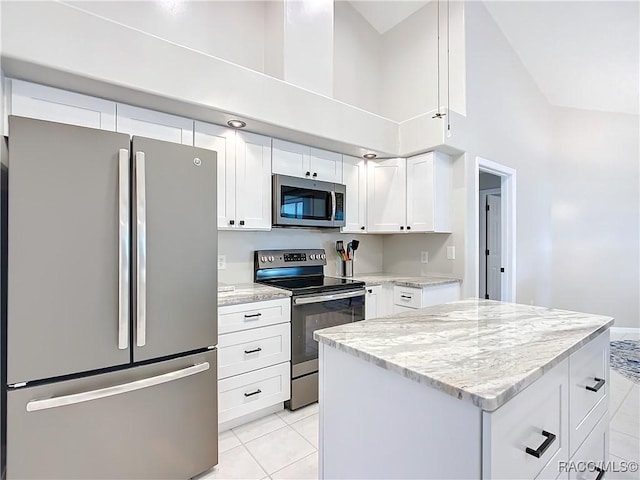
x=328, y=297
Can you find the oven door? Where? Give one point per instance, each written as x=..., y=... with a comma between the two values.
x=314, y=312
x=302, y=202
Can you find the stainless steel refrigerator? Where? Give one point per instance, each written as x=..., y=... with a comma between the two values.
x=111, y=321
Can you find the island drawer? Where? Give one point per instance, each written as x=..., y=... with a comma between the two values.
x=593, y=454
x=527, y=437
x=249, y=392
x=241, y=352
x=589, y=388
x=407, y=296
x=234, y=318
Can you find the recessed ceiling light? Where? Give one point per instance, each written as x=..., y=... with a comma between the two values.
x=369, y=156
x=236, y=124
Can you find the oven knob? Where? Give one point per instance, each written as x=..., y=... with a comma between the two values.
x=323, y=256
x=270, y=258
x=312, y=257
x=263, y=258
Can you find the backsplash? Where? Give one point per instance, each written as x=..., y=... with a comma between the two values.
x=238, y=247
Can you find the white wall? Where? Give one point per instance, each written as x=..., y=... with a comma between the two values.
x=595, y=213
x=238, y=247
x=233, y=30
x=508, y=121
x=357, y=59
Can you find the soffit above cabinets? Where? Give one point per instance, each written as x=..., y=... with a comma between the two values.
x=384, y=15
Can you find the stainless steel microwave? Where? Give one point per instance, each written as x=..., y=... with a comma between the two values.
x=303, y=202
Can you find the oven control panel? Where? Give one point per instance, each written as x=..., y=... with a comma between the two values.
x=289, y=258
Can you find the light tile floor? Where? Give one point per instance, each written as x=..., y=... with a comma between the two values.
x=284, y=445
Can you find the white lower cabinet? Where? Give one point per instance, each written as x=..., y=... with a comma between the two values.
x=593, y=454
x=254, y=353
x=406, y=299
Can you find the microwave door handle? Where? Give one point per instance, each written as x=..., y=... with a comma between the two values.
x=333, y=205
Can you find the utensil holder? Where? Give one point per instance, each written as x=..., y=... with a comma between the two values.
x=347, y=268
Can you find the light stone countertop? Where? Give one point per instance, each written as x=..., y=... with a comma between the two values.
x=248, y=292
x=480, y=351
x=373, y=279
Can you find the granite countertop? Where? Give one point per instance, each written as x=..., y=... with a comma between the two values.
x=373, y=279
x=480, y=351
x=247, y=293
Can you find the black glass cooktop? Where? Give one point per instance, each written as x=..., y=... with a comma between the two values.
x=313, y=284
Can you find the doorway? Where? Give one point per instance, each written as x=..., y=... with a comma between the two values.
x=490, y=232
x=495, y=226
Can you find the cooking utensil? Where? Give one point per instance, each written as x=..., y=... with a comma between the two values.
x=340, y=249
x=349, y=250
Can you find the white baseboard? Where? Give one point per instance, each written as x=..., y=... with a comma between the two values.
x=228, y=425
x=623, y=330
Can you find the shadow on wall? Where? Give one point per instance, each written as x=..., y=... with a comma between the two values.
x=402, y=254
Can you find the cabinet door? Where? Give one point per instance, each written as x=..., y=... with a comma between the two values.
x=253, y=181
x=46, y=103
x=291, y=159
x=354, y=174
x=152, y=124
x=371, y=302
x=326, y=166
x=420, y=183
x=386, y=196
x=222, y=141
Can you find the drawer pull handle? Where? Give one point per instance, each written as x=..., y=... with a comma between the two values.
x=600, y=473
x=255, y=350
x=597, y=386
x=250, y=394
x=406, y=296
x=253, y=315
x=542, y=448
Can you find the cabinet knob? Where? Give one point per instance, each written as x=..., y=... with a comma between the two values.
x=402, y=227
x=307, y=174
x=362, y=228
x=232, y=222
x=241, y=222
x=408, y=227
x=314, y=174
x=370, y=290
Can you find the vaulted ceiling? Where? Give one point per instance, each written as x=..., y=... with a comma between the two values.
x=581, y=54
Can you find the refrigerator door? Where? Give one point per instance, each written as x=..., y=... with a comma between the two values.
x=150, y=422
x=68, y=246
x=175, y=248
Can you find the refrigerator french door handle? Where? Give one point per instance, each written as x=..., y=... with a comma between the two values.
x=141, y=255
x=47, y=403
x=124, y=249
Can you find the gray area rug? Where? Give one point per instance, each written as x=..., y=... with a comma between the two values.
x=625, y=358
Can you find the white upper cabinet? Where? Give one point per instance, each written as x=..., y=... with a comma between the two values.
x=152, y=124
x=45, y=103
x=306, y=162
x=253, y=181
x=429, y=193
x=354, y=176
x=244, y=176
x=386, y=196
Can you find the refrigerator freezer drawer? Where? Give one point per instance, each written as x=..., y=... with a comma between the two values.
x=249, y=392
x=154, y=421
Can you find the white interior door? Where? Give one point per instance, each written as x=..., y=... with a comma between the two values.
x=494, y=247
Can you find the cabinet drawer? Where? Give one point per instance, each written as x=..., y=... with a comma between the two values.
x=589, y=388
x=407, y=296
x=437, y=294
x=249, y=392
x=520, y=423
x=592, y=454
x=252, y=315
x=241, y=352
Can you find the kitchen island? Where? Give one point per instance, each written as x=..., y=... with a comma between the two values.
x=469, y=389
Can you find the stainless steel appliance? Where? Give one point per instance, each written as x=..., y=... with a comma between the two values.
x=307, y=203
x=111, y=305
x=317, y=302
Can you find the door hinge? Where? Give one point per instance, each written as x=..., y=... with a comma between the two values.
x=487, y=207
x=501, y=269
x=486, y=296
x=486, y=252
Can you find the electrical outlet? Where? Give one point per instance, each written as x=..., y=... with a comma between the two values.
x=451, y=253
x=424, y=257
x=222, y=262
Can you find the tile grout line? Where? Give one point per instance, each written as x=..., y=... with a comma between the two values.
x=299, y=460
x=624, y=399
